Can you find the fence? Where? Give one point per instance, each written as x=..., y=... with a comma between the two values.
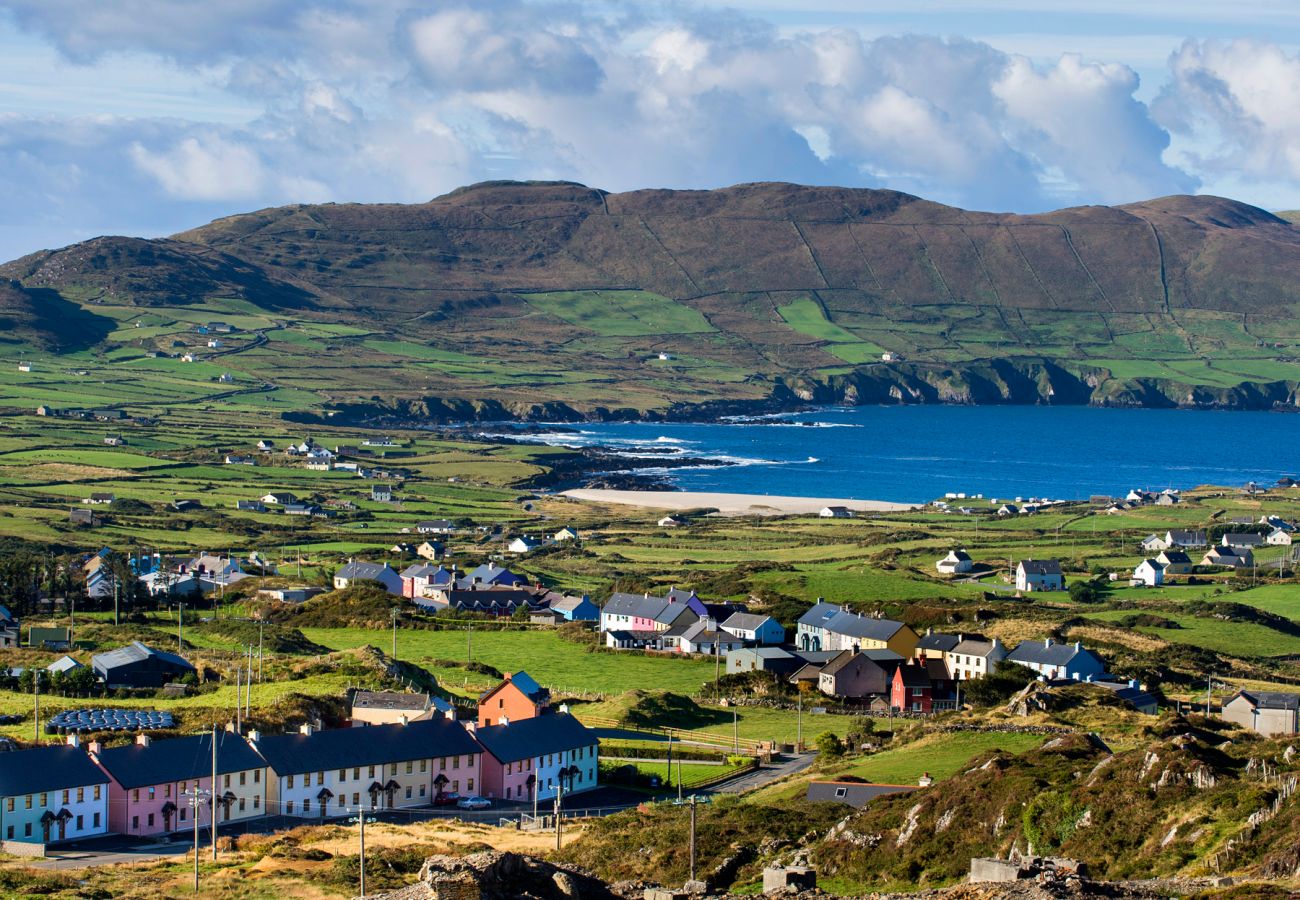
x=724, y=741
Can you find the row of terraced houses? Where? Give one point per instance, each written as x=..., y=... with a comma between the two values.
x=518, y=749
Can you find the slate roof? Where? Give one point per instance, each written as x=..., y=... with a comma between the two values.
x=745, y=621
x=529, y=738
x=854, y=625
x=815, y=657
x=390, y=700
x=855, y=794
x=819, y=614
x=178, y=759
x=341, y=748
x=974, y=647
x=362, y=570
x=665, y=610
x=488, y=573
x=959, y=555
x=135, y=652
x=1272, y=699
x=1187, y=538
x=1040, y=566
x=1175, y=558
x=1243, y=540
x=1042, y=653
x=914, y=676
x=43, y=769
x=937, y=641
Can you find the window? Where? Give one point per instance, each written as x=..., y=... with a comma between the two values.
x=288, y=779
x=95, y=819
x=257, y=802
x=421, y=790
x=243, y=778
x=356, y=800
x=410, y=767
x=27, y=830
x=501, y=703
x=288, y=808
x=510, y=768
x=241, y=804
x=167, y=791
x=372, y=772
x=356, y=773
x=424, y=766
x=9, y=805
x=9, y=835
x=408, y=792
x=343, y=775
x=442, y=764
x=45, y=799
x=65, y=796
x=455, y=762
x=918, y=692
x=508, y=792
x=320, y=778
x=182, y=817
x=306, y=806
x=227, y=784
x=392, y=769
x=257, y=776
x=151, y=820
x=135, y=823
x=455, y=787
x=841, y=793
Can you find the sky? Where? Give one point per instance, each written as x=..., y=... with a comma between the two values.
x=146, y=117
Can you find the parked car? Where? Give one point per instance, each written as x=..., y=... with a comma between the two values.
x=474, y=803
x=447, y=799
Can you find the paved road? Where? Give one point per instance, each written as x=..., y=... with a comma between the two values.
x=765, y=775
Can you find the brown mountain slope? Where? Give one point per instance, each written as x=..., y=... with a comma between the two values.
x=876, y=250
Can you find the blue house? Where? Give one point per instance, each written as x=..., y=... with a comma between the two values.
x=51, y=794
x=576, y=609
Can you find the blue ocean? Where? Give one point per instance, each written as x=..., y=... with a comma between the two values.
x=917, y=453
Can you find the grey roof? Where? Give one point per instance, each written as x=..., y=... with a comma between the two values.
x=63, y=664
x=1243, y=540
x=390, y=700
x=1175, y=557
x=1187, y=538
x=362, y=570
x=974, y=647
x=859, y=626
x=340, y=748
x=745, y=621
x=959, y=555
x=42, y=769
x=853, y=793
x=528, y=738
x=135, y=652
x=818, y=615
x=666, y=610
x=420, y=570
x=938, y=641
x=815, y=657
x=1041, y=566
x=178, y=759
x=1272, y=699
x=1043, y=653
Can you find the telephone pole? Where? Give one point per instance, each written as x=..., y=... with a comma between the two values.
x=214, y=792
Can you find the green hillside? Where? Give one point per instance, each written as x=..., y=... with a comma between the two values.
x=522, y=297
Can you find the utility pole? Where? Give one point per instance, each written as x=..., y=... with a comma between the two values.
x=196, y=803
x=559, y=798
x=214, y=792
x=469, y=642
x=1209, y=688
x=361, y=836
x=692, y=837
x=259, y=652
x=394, y=611
x=116, y=586
x=180, y=627
x=36, y=712
x=735, y=730
x=798, y=726
x=239, y=703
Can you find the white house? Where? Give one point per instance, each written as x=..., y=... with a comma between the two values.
x=1153, y=542
x=1039, y=575
x=364, y=571
x=670, y=522
x=754, y=628
x=567, y=533
x=1278, y=538
x=955, y=563
x=1150, y=573
x=523, y=544
x=835, y=512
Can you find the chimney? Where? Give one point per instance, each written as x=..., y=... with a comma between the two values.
x=143, y=740
x=450, y=714
x=1047, y=642
x=74, y=740
x=230, y=726
x=505, y=720
x=255, y=735
x=928, y=631
x=1078, y=646
x=405, y=720
x=306, y=728
x=94, y=747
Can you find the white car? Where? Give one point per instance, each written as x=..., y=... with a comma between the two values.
x=474, y=803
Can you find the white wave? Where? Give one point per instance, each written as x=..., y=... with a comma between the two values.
x=813, y=459
x=670, y=440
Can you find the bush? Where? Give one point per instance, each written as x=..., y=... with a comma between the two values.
x=829, y=745
x=999, y=685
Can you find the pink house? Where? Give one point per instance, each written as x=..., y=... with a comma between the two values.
x=151, y=783
x=541, y=754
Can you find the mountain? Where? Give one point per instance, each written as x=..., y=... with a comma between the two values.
x=756, y=292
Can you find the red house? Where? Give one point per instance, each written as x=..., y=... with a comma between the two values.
x=912, y=690
x=517, y=698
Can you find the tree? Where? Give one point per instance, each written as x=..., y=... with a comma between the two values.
x=1084, y=592
x=999, y=685
x=521, y=613
x=829, y=745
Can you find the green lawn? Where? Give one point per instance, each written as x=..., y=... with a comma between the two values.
x=558, y=664
x=621, y=313
x=941, y=755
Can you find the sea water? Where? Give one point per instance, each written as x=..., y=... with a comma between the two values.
x=918, y=453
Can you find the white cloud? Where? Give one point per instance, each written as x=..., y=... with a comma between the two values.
x=1241, y=97
x=211, y=168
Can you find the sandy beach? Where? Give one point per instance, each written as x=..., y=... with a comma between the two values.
x=732, y=504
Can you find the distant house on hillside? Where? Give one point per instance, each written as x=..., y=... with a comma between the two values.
x=1176, y=562
x=365, y=571
x=279, y=498
x=1150, y=573
x=1240, y=541
x=98, y=499
x=858, y=675
x=381, y=493
x=1186, y=539
x=754, y=628
x=138, y=665
x=523, y=544
x=1265, y=712
x=435, y=526
x=671, y=522
x=1229, y=557
x=957, y=562
x=1039, y=575
x=1278, y=538
x=835, y=512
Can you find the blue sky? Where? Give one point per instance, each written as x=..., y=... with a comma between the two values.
x=150, y=116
